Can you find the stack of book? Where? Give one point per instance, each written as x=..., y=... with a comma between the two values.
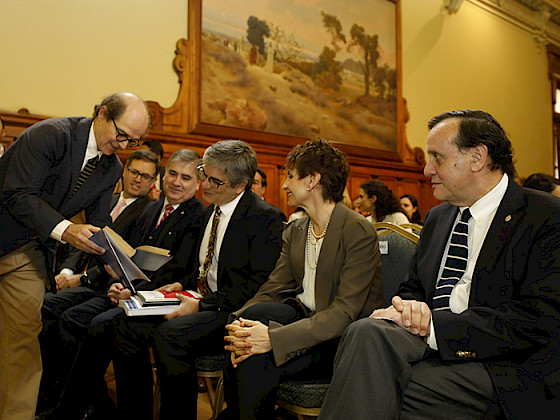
x=154, y=302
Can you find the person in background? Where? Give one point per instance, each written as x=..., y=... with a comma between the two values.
x=259, y=183
x=259, y=187
x=474, y=331
x=378, y=200
x=328, y=275
x=409, y=206
x=2, y=134
x=156, y=147
x=543, y=182
x=56, y=169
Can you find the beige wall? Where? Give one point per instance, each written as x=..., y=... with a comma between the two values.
x=475, y=60
x=59, y=57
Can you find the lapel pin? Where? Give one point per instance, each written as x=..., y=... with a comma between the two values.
x=508, y=218
x=182, y=212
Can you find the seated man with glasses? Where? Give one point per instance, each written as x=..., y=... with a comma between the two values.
x=172, y=223
x=75, y=285
x=239, y=245
x=56, y=169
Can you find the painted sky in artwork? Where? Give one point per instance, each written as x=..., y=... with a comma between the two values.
x=302, y=18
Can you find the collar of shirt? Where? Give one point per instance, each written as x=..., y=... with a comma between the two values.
x=228, y=209
x=486, y=206
x=165, y=203
x=91, y=149
x=128, y=201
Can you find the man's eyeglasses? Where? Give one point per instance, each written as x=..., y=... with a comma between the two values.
x=122, y=136
x=135, y=174
x=214, y=182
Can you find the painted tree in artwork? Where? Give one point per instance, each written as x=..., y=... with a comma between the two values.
x=367, y=44
x=327, y=71
x=256, y=31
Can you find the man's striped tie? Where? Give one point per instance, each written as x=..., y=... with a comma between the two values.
x=86, y=172
x=455, y=263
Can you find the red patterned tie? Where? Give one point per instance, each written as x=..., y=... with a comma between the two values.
x=166, y=213
x=202, y=282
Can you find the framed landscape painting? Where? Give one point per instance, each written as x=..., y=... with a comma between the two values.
x=285, y=71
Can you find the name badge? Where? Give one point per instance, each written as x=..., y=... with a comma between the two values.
x=384, y=247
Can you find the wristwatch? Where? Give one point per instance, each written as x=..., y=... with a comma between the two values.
x=86, y=282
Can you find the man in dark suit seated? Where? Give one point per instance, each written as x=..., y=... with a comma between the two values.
x=56, y=169
x=171, y=223
x=475, y=330
x=238, y=248
x=139, y=175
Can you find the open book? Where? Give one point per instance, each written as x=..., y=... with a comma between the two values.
x=117, y=256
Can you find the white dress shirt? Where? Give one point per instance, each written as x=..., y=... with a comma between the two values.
x=227, y=211
x=482, y=212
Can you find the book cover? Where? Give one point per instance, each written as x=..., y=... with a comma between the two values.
x=155, y=297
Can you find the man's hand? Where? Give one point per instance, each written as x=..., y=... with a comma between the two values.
x=415, y=315
x=154, y=194
x=245, y=338
x=188, y=306
x=173, y=287
x=411, y=315
x=118, y=292
x=78, y=236
x=64, y=281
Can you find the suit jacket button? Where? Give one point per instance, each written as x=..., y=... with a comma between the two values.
x=151, y=237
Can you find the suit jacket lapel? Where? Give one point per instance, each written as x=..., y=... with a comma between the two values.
x=441, y=232
x=508, y=216
x=324, y=281
x=234, y=224
x=297, y=251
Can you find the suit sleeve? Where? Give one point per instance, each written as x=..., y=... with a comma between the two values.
x=30, y=167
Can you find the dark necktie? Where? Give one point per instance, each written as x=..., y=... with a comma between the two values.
x=455, y=263
x=202, y=282
x=168, y=210
x=86, y=172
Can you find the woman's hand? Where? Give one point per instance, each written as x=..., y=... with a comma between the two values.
x=245, y=338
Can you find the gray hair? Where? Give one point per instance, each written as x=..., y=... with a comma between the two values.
x=235, y=158
x=184, y=155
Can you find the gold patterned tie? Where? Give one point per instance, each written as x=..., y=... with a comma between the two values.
x=202, y=282
x=86, y=172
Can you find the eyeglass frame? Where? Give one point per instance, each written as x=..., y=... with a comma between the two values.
x=143, y=176
x=131, y=142
x=214, y=182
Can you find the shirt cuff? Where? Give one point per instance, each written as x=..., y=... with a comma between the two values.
x=67, y=271
x=431, y=338
x=59, y=230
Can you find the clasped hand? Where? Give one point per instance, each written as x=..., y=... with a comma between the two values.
x=246, y=338
x=412, y=315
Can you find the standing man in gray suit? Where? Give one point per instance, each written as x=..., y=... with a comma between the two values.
x=55, y=170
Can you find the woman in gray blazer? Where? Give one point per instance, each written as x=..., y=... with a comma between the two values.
x=327, y=276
